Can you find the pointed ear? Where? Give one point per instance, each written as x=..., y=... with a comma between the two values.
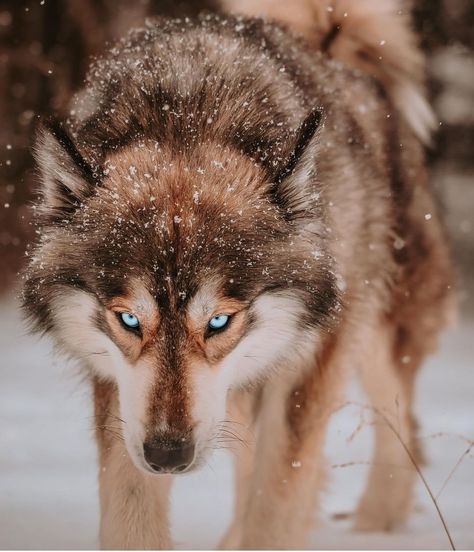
x=292, y=189
x=67, y=179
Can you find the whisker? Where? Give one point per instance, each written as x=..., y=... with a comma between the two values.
x=94, y=353
x=108, y=427
x=114, y=434
x=232, y=435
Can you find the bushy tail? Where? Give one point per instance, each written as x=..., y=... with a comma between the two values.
x=374, y=36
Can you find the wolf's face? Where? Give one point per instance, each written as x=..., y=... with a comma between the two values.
x=178, y=278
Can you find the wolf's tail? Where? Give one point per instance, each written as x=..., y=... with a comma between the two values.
x=374, y=36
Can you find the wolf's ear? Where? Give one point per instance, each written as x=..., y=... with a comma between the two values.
x=292, y=186
x=67, y=179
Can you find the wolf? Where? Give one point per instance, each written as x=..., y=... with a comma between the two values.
x=235, y=213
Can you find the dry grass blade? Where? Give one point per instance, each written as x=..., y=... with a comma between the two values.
x=420, y=474
x=456, y=466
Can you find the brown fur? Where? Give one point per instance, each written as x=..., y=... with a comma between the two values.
x=221, y=166
x=372, y=35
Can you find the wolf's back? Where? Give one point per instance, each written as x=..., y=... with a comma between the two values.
x=374, y=36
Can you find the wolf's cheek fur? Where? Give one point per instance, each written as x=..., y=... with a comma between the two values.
x=74, y=313
x=76, y=332
x=278, y=340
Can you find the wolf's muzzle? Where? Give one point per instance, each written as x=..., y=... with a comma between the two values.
x=165, y=455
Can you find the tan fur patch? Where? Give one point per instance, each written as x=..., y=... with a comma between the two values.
x=217, y=346
x=140, y=303
x=205, y=306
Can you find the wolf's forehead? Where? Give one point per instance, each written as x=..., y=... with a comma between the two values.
x=136, y=160
x=142, y=297
x=214, y=167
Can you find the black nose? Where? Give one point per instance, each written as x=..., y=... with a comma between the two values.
x=165, y=455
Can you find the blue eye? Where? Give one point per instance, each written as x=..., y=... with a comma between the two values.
x=129, y=320
x=219, y=322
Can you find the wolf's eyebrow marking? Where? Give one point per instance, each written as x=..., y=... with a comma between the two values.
x=205, y=300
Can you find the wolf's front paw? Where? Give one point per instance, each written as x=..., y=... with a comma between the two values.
x=231, y=539
x=381, y=512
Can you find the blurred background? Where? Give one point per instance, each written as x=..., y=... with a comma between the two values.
x=47, y=470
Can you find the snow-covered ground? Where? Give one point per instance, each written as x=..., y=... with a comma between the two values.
x=48, y=488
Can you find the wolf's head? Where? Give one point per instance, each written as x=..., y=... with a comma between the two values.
x=179, y=273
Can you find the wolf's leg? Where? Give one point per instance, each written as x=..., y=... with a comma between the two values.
x=387, y=499
x=134, y=506
x=242, y=410
x=288, y=458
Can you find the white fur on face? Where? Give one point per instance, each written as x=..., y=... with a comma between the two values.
x=135, y=384
x=278, y=342
x=279, y=339
x=73, y=313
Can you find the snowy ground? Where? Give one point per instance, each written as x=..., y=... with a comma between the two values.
x=48, y=489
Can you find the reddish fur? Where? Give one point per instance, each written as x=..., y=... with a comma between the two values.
x=350, y=238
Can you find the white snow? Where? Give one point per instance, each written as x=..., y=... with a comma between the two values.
x=48, y=489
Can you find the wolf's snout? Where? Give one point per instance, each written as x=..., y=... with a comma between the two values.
x=165, y=455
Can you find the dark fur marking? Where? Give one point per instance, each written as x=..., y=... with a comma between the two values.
x=169, y=400
x=66, y=193
x=329, y=39
x=306, y=133
x=100, y=322
x=57, y=129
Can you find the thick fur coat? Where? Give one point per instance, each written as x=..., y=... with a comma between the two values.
x=221, y=168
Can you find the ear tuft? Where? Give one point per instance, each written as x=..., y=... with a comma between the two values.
x=293, y=185
x=67, y=179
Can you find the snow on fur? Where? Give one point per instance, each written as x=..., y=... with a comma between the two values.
x=373, y=36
